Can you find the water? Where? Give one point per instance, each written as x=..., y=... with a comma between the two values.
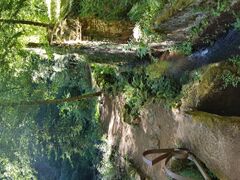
x=224, y=48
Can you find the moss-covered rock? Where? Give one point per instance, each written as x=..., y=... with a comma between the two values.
x=209, y=94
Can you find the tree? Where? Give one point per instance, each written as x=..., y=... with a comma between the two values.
x=52, y=101
x=26, y=22
x=102, y=53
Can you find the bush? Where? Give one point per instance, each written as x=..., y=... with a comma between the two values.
x=232, y=77
x=107, y=9
x=184, y=48
x=137, y=88
x=108, y=79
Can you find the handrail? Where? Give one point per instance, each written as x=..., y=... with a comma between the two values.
x=167, y=155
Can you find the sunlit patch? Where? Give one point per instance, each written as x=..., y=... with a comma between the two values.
x=137, y=33
x=58, y=8
x=54, y=8
x=33, y=39
x=39, y=51
x=48, y=4
x=72, y=42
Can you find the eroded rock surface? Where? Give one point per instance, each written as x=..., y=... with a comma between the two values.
x=132, y=140
x=214, y=139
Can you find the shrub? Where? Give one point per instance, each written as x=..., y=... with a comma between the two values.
x=137, y=88
x=184, y=48
x=232, y=77
x=108, y=79
x=157, y=69
x=107, y=9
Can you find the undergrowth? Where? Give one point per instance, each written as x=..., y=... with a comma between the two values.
x=184, y=48
x=231, y=77
x=137, y=87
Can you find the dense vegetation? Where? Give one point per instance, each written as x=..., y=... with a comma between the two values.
x=40, y=138
x=49, y=96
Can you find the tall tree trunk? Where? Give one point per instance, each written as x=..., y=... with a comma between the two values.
x=26, y=22
x=52, y=101
x=103, y=53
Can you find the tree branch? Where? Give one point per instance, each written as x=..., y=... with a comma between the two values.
x=52, y=101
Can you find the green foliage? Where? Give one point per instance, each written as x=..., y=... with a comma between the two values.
x=57, y=134
x=197, y=30
x=137, y=88
x=142, y=49
x=34, y=10
x=16, y=140
x=106, y=168
x=157, y=69
x=15, y=170
x=232, y=77
x=235, y=61
x=144, y=11
x=107, y=78
x=165, y=88
x=136, y=94
x=79, y=117
x=222, y=6
x=237, y=24
x=184, y=48
x=13, y=37
x=105, y=9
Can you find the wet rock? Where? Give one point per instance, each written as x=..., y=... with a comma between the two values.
x=209, y=95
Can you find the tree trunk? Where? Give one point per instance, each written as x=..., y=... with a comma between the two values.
x=51, y=101
x=26, y=22
x=103, y=53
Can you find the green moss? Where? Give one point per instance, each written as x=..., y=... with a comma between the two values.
x=157, y=69
x=211, y=119
x=209, y=82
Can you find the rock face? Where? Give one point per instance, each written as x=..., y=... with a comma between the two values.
x=77, y=29
x=131, y=141
x=179, y=17
x=208, y=93
x=214, y=139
